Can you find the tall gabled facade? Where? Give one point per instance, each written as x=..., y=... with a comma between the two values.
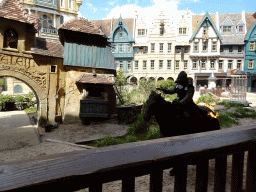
x=232, y=27
x=250, y=51
x=161, y=48
x=205, y=48
x=122, y=46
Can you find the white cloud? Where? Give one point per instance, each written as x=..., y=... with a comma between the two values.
x=80, y=15
x=94, y=10
x=106, y=9
x=89, y=4
x=111, y=3
x=128, y=11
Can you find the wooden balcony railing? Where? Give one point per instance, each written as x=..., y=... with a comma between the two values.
x=91, y=168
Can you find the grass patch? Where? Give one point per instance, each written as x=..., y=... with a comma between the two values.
x=226, y=120
x=206, y=98
x=30, y=110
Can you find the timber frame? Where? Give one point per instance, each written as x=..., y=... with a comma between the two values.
x=90, y=168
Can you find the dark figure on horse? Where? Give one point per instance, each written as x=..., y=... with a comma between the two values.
x=182, y=116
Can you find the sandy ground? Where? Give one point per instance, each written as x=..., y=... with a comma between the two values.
x=77, y=132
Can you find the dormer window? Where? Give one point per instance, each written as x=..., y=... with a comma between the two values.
x=240, y=28
x=226, y=29
x=10, y=38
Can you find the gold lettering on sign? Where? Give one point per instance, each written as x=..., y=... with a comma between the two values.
x=23, y=65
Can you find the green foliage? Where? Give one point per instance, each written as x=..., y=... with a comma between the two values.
x=153, y=133
x=140, y=93
x=120, y=78
x=206, y=98
x=226, y=120
x=140, y=126
x=1, y=81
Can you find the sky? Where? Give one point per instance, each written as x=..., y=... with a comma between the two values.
x=107, y=9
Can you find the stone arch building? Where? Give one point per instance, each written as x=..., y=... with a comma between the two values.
x=39, y=62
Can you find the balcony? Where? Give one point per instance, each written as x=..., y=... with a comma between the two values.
x=46, y=3
x=48, y=31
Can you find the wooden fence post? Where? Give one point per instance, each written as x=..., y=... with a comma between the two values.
x=220, y=174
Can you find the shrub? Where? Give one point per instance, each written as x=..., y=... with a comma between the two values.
x=226, y=120
x=153, y=133
x=140, y=126
x=206, y=98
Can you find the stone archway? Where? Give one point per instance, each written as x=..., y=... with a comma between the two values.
x=170, y=78
x=160, y=79
x=39, y=91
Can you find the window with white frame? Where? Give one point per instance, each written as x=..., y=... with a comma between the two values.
x=141, y=32
x=182, y=31
x=113, y=48
x=169, y=64
x=205, y=31
x=194, y=65
x=177, y=64
x=152, y=64
x=240, y=49
x=120, y=48
x=214, y=46
x=251, y=64
x=196, y=49
x=185, y=64
x=129, y=48
x=169, y=47
x=129, y=65
x=144, y=65
x=220, y=64
x=226, y=29
x=62, y=3
x=203, y=64
x=70, y=4
x=145, y=50
x=230, y=64
x=120, y=33
x=186, y=49
x=221, y=48
x=178, y=50
x=240, y=28
x=152, y=47
x=252, y=45
x=239, y=64
x=136, y=50
x=230, y=49
x=136, y=65
x=161, y=47
x=205, y=46
x=161, y=64
x=121, y=65
x=212, y=64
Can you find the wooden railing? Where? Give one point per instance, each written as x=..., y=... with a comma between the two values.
x=91, y=168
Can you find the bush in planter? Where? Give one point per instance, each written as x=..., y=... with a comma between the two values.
x=6, y=99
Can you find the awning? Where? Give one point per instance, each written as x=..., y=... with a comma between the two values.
x=108, y=79
x=45, y=10
x=205, y=76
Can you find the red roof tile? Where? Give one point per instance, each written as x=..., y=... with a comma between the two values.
x=81, y=25
x=96, y=78
x=48, y=47
x=14, y=10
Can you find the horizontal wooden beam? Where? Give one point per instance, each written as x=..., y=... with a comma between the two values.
x=77, y=170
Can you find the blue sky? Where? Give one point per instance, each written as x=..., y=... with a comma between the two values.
x=102, y=9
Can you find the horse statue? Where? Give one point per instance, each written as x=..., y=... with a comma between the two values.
x=172, y=122
x=167, y=114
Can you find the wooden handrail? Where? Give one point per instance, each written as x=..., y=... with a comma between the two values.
x=81, y=169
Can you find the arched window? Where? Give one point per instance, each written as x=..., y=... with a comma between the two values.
x=10, y=38
x=61, y=19
x=17, y=89
x=45, y=21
